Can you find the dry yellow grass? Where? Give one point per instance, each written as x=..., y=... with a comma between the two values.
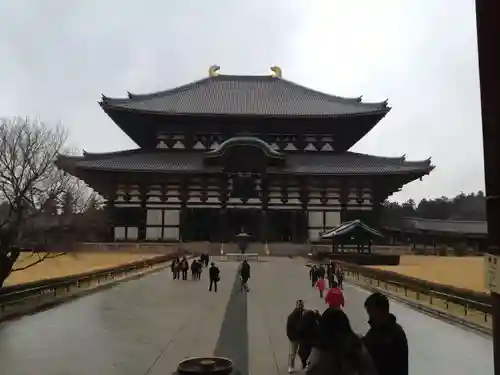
x=69, y=264
x=462, y=272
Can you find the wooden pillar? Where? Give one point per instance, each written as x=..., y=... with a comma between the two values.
x=110, y=213
x=141, y=230
x=488, y=35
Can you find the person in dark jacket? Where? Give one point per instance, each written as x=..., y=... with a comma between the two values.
x=194, y=268
x=340, y=277
x=244, y=275
x=313, y=275
x=175, y=267
x=330, y=273
x=337, y=350
x=321, y=272
x=214, y=276
x=386, y=340
x=292, y=332
x=184, y=268
x=307, y=333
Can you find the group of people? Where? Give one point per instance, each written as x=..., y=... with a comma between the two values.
x=326, y=343
x=243, y=271
x=331, y=271
x=180, y=267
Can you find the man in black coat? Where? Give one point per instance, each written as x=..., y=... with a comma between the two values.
x=321, y=272
x=214, y=276
x=386, y=340
x=244, y=275
x=313, y=275
x=330, y=273
x=293, y=333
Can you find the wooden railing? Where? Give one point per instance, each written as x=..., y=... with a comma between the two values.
x=33, y=294
x=421, y=291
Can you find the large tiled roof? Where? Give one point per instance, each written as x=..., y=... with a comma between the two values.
x=347, y=163
x=415, y=224
x=245, y=95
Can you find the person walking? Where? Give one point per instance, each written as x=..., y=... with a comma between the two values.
x=340, y=277
x=194, y=268
x=244, y=275
x=330, y=273
x=199, y=270
x=313, y=275
x=337, y=349
x=321, y=271
x=175, y=267
x=320, y=284
x=385, y=340
x=184, y=268
x=214, y=276
x=307, y=334
x=292, y=332
x=334, y=297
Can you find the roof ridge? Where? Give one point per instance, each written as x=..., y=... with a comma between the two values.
x=329, y=97
x=444, y=220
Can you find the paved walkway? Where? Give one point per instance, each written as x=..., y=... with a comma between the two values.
x=147, y=326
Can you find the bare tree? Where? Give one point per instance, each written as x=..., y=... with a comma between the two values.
x=28, y=180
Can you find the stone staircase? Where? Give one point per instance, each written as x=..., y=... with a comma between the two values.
x=275, y=248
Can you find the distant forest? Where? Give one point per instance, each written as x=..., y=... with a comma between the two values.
x=462, y=207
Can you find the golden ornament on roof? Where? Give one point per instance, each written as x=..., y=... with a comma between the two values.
x=276, y=71
x=213, y=70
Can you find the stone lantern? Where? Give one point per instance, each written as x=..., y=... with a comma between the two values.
x=242, y=240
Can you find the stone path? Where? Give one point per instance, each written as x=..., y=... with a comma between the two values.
x=146, y=326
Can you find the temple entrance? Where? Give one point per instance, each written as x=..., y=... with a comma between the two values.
x=215, y=225
x=200, y=224
x=287, y=226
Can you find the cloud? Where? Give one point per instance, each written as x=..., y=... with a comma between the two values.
x=58, y=57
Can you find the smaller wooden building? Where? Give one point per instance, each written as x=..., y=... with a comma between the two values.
x=352, y=233
x=432, y=233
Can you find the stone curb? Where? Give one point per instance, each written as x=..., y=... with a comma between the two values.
x=46, y=305
x=428, y=310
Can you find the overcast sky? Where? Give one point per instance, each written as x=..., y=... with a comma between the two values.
x=57, y=57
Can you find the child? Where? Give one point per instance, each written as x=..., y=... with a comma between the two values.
x=334, y=297
x=320, y=284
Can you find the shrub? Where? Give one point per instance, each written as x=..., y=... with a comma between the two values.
x=460, y=249
x=418, y=251
x=442, y=250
